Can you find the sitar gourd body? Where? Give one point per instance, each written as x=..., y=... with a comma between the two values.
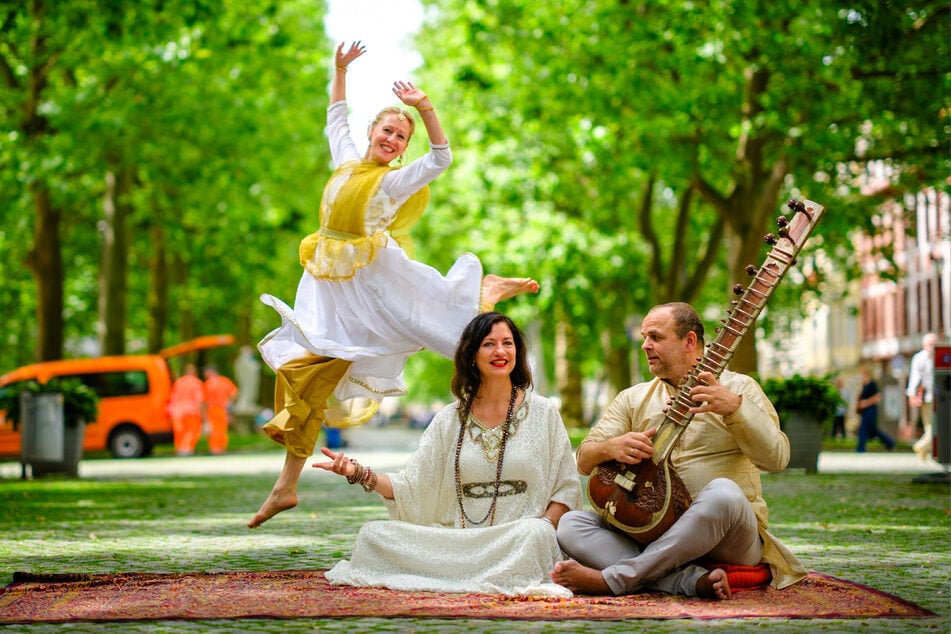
x=645, y=499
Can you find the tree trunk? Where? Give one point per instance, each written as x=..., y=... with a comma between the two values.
x=114, y=268
x=46, y=262
x=567, y=373
x=183, y=309
x=158, y=289
x=45, y=258
x=743, y=251
x=617, y=359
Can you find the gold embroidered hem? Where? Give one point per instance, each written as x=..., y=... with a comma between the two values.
x=335, y=259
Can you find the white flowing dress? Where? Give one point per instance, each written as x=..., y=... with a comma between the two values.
x=391, y=308
x=424, y=545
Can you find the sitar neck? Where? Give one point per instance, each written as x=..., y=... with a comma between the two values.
x=786, y=246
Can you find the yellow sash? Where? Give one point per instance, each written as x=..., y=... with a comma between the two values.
x=341, y=246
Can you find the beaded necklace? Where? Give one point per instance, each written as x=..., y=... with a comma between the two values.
x=490, y=514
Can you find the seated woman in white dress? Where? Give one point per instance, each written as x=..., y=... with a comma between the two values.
x=475, y=507
x=363, y=306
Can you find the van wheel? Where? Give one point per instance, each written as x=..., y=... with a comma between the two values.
x=128, y=441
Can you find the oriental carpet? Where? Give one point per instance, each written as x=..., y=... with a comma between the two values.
x=57, y=598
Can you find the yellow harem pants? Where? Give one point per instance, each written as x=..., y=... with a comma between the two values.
x=301, y=392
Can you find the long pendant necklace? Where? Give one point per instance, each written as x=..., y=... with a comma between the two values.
x=490, y=514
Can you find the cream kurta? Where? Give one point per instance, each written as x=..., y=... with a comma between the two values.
x=424, y=547
x=737, y=447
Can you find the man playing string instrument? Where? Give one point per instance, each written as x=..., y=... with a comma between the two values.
x=735, y=434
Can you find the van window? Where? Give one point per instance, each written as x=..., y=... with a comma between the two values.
x=106, y=384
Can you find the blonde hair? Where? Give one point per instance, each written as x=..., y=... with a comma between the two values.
x=404, y=115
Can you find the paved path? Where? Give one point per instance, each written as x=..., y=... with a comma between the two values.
x=387, y=448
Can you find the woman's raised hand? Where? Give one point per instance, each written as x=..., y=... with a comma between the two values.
x=408, y=93
x=343, y=58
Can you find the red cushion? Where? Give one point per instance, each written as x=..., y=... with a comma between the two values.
x=743, y=577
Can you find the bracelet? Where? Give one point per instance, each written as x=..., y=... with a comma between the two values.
x=369, y=482
x=341, y=68
x=363, y=476
x=357, y=472
x=549, y=520
x=418, y=109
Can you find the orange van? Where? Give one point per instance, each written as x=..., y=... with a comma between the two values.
x=133, y=397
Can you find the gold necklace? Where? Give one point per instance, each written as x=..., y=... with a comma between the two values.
x=490, y=439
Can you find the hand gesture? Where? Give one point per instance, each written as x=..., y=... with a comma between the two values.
x=633, y=446
x=713, y=396
x=343, y=58
x=338, y=463
x=408, y=93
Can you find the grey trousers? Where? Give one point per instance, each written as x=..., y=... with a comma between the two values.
x=719, y=525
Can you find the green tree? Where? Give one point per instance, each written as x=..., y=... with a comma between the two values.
x=675, y=123
x=180, y=140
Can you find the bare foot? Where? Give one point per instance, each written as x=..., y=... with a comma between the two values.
x=495, y=288
x=579, y=579
x=279, y=500
x=714, y=585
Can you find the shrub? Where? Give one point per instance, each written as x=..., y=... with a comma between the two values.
x=80, y=402
x=816, y=395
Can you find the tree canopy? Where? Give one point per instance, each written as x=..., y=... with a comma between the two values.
x=163, y=159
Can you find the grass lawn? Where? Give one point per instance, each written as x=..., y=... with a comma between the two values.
x=882, y=530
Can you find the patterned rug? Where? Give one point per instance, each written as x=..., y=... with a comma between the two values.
x=56, y=598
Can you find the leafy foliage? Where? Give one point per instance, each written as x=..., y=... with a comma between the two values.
x=812, y=394
x=80, y=402
x=616, y=118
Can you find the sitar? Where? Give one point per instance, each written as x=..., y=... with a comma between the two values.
x=643, y=500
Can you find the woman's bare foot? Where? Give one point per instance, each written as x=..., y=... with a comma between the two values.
x=495, y=288
x=279, y=500
x=714, y=585
x=579, y=579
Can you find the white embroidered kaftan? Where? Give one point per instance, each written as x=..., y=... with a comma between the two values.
x=372, y=305
x=424, y=547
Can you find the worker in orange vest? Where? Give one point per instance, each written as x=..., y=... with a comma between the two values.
x=219, y=393
x=185, y=405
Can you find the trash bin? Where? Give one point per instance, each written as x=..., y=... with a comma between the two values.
x=48, y=443
x=334, y=438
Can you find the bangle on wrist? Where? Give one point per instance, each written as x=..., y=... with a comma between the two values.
x=418, y=109
x=342, y=69
x=548, y=519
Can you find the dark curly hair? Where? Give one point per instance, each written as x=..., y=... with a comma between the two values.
x=466, y=379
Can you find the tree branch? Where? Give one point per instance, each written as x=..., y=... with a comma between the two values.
x=647, y=228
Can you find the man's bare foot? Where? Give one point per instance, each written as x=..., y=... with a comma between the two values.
x=714, y=585
x=495, y=288
x=277, y=501
x=579, y=579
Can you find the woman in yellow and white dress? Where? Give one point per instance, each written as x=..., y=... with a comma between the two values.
x=363, y=306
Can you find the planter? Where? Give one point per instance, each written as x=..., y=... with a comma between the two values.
x=49, y=443
x=804, y=431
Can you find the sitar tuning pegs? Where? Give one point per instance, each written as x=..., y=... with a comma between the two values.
x=770, y=239
x=782, y=221
x=738, y=289
x=750, y=270
x=796, y=205
x=784, y=232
